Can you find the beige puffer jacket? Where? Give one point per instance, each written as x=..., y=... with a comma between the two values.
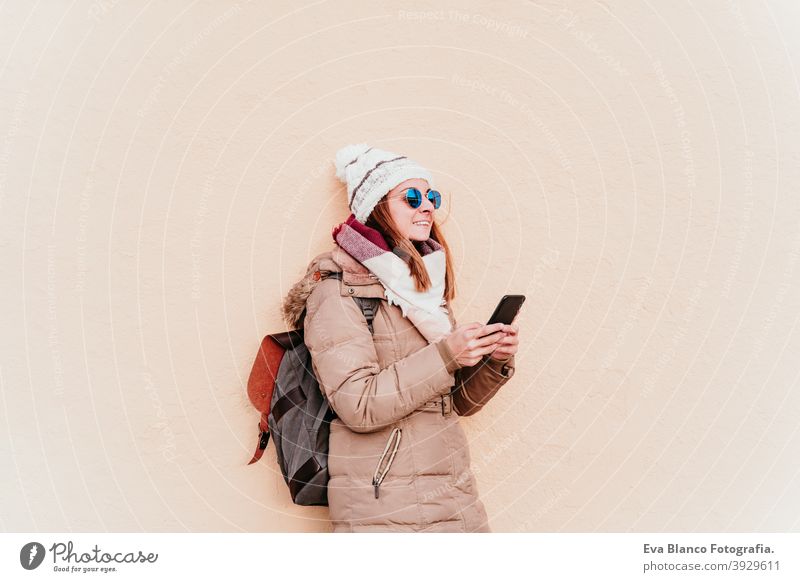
x=398, y=457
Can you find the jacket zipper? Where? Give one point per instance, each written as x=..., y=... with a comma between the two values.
x=379, y=475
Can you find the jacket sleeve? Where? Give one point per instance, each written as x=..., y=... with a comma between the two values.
x=365, y=397
x=475, y=385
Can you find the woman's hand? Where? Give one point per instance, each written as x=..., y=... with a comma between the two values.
x=470, y=342
x=509, y=344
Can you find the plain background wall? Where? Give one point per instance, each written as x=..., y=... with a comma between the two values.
x=632, y=167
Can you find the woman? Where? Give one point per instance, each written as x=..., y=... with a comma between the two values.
x=398, y=458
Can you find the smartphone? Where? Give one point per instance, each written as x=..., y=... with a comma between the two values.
x=507, y=309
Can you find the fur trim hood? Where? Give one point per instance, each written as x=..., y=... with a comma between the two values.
x=334, y=261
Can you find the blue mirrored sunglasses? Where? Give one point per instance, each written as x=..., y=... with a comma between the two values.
x=414, y=198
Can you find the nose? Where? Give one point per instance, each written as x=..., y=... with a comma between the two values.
x=427, y=205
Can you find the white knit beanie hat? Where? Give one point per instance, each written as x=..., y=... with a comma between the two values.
x=370, y=173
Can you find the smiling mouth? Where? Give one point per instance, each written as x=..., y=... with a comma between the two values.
x=422, y=223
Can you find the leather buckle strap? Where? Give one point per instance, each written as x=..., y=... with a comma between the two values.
x=447, y=404
x=441, y=404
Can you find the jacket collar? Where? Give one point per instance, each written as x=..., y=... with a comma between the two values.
x=357, y=280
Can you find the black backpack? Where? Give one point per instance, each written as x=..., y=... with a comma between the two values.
x=282, y=386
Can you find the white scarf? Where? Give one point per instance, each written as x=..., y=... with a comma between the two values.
x=425, y=309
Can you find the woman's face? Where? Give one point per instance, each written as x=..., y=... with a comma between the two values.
x=413, y=223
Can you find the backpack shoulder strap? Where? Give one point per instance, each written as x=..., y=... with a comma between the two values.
x=369, y=307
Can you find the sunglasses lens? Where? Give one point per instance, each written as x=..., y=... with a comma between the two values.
x=413, y=197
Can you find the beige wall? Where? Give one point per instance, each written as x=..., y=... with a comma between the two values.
x=165, y=175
